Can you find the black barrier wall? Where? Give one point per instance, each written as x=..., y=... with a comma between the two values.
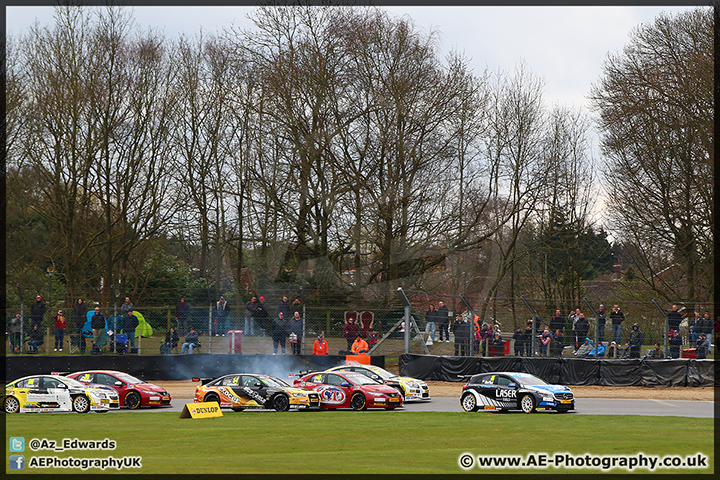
x=175, y=367
x=567, y=371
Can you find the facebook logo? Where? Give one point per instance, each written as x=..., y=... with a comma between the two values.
x=17, y=462
x=17, y=444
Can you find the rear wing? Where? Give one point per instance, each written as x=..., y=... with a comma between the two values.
x=301, y=373
x=59, y=373
x=203, y=380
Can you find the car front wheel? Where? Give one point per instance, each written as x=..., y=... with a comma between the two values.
x=527, y=403
x=81, y=404
x=358, y=402
x=133, y=400
x=468, y=403
x=12, y=405
x=281, y=403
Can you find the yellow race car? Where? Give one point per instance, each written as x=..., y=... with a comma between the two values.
x=248, y=390
x=55, y=393
x=410, y=388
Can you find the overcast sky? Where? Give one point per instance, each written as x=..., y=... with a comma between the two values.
x=564, y=45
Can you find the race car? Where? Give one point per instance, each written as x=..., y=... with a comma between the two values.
x=245, y=390
x=55, y=393
x=514, y=391
x=134, y=393
x=350, y=390
x=410, y=388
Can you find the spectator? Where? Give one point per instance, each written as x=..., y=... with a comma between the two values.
x=126, y=307
x=703, y=346
x=279, y=333
x=222, y=311
x=192, y=340
x=498, y=345
x=696, y=322
x=320, y=347
x=582, y=326
x=584, y=349
x=284, y=307
x=617, y=317
x=250, y=311
x=97, y=323
x=657, y=352
x=557, y=322
x=130, y=327
x=529, y=339
x=545, y=340
x=485, y=335
x=674, y=343
x=458, y=332
x=60, y=324
x=557, y=344
x=612, y=350
x=572, y=319
x=443, y=318
x=36, y=339
x=182, y=312
x=635, y=341
x=350, y=332
x=16, y=332
x=674, y=318
x=466, y=333
x=295, y=329
x=359, y=346
x=430, y=323
x=707, y=325
x=601, y=318
x=693, y=337
x=261, y=315
x=519, y=338
x=79, y=316
x=37, y=312
x=296, y=306
x=171, y=339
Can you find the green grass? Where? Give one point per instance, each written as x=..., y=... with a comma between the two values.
x=359, y=442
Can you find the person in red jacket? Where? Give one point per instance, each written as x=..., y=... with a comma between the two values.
x=60, y=324
x=350, y=332
x=320, y=347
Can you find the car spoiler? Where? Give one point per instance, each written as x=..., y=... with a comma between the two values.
x=301, y=373
x=203, y=380
x=59, y=373
x=465, y=376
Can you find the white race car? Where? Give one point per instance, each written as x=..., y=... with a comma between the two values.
x=410, y=388
x=55, y=393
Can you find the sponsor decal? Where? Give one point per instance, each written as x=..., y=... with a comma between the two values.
x=254, y=395
x=501, y=393
x=229, y=394
x=201, y=410
x=332, y=395
x=488, y=407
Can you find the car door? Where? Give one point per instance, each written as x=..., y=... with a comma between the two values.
x=334, y=391
x=35, y=394
x=58, y=394
x=506, y=391
x=484, y=385
x=253, y=390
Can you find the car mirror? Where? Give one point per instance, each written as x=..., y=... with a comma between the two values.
x=118, y=383
x=512, y=384
x=344, y=384
x=258, y=384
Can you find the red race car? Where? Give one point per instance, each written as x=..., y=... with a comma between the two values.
x=350, y=390
x=134, y=393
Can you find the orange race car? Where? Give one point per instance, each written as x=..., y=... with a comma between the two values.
x=249, y=390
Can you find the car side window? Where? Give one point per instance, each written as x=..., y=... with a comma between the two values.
x=249, y=381
x=49, y=382
x=316, y=378
x=29, y=383
x=335, y=380
x=501, y=380
x=233, y=380
x=86, y=378
x=105, y=379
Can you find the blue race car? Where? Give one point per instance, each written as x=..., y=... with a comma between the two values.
x=514, y=391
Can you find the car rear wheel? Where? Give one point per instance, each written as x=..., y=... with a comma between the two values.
x=238, y=409
x=81, y=404
x=281, y=403
x=12, y=405
x=468, y=403
x=527, y=403
x=212, y=397
x=133, y=400
x=358, y=402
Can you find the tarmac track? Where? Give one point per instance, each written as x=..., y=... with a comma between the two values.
x=583, y=406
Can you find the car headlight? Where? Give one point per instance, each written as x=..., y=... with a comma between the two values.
x=299, y=394
x=548, y=399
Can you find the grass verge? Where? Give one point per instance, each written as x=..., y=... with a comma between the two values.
x=257, y=442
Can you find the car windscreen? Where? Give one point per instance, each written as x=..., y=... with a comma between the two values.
x=127, y=378
x=73, y=383
x=384, y=374
x=360, y=379
x=526, y=379
x=273, y=382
